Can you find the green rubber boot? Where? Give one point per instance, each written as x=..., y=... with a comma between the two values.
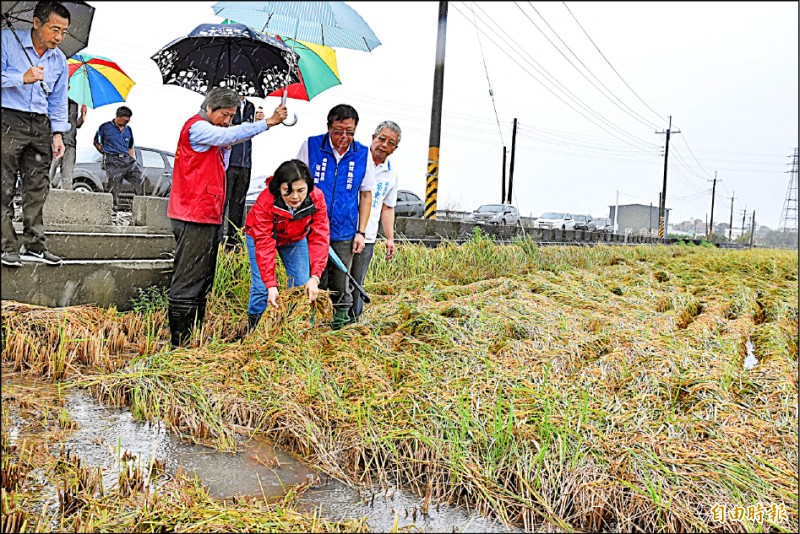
x=341, y=317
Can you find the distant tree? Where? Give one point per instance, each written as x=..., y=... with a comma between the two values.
x=766, y=237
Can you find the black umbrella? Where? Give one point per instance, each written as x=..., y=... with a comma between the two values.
x=19, y=16
x=227, y=55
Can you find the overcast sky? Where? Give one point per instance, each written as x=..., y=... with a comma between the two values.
x=590, y=84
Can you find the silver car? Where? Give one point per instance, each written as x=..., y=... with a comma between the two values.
x=582, y=221
x=602, y=224
x=494, y=214
x=408, y=204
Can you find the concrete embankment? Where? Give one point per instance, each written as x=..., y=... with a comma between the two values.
x=105, y=264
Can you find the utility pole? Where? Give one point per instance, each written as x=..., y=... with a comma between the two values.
x=744, y=214
x=659, y=206
x=730, y=224
x=503, y=188
x=432, y=177
x=752, y=227
x=616, y=210
x=662, y=214
x=650, y=231
x=513, y=153
x=713, y=193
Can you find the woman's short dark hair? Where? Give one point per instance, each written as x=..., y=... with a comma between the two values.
x=289, y=172
x=342, y=112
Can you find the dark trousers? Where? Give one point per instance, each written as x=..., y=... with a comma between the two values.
x=27, y=148
x=121, y=167
x=67, y=165
x=194, y=266
x=238, y=182
x=335, y=280
x=359, y=271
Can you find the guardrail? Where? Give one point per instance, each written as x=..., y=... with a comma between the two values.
x=424, y=230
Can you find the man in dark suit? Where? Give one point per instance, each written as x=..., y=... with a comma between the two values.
x=238, y=178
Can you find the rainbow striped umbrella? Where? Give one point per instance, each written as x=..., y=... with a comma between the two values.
x=97, y=81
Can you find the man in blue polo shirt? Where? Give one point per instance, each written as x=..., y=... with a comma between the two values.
x=34, y=116
x=114, y=139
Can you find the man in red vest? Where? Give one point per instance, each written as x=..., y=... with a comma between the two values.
x=197, y=201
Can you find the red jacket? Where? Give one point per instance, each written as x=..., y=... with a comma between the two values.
x=271, y=225
x=198, y=182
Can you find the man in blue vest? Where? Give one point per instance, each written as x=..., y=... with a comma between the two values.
x=339, y=166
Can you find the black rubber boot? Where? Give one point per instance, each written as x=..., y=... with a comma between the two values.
x=201, y=313
x=182, y=317
x=252, y=321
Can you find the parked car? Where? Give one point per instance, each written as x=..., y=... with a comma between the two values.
x=582, y=221
x=552, y=219
x=602, y=224
x=494, y=214
x=90, y=176
x=408, y=204
x=257, y=185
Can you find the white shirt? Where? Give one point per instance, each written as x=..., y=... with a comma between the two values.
x=385, y=192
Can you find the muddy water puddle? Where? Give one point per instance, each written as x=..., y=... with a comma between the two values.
x=257, y=469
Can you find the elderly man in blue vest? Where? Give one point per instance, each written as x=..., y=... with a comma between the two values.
x=339, y=166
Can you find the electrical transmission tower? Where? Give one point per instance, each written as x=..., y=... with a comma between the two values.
x=789, y=211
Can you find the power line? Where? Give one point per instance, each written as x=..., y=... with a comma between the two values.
x=628, y=110
x=609, y=63
x=588, y=146
x=554, y=81
x=685, y=142
x=489, y=83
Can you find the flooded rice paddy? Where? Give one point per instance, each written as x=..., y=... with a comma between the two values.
x=257, y=469
x=640, y=389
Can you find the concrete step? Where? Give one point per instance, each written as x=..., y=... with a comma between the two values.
x=102, y=283
x=107, y=242
x=110, y=246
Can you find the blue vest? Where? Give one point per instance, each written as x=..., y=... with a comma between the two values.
x=339, y=183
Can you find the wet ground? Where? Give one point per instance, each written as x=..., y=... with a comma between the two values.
x=258, y=469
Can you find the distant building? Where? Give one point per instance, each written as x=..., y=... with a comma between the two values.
x=638, y=219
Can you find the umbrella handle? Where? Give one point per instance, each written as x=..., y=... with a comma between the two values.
x=294, y=121
x=283, y=103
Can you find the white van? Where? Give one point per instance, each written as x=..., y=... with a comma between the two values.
x=550, y=219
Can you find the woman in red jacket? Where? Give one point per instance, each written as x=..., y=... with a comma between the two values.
x=289, y=218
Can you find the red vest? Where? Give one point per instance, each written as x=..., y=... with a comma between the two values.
x=198, y=182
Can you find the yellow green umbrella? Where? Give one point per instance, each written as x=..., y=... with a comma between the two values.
x=317, y=68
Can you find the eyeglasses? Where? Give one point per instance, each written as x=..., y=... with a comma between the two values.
x=389, y=142
x=348, y=133
x=57, y=29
